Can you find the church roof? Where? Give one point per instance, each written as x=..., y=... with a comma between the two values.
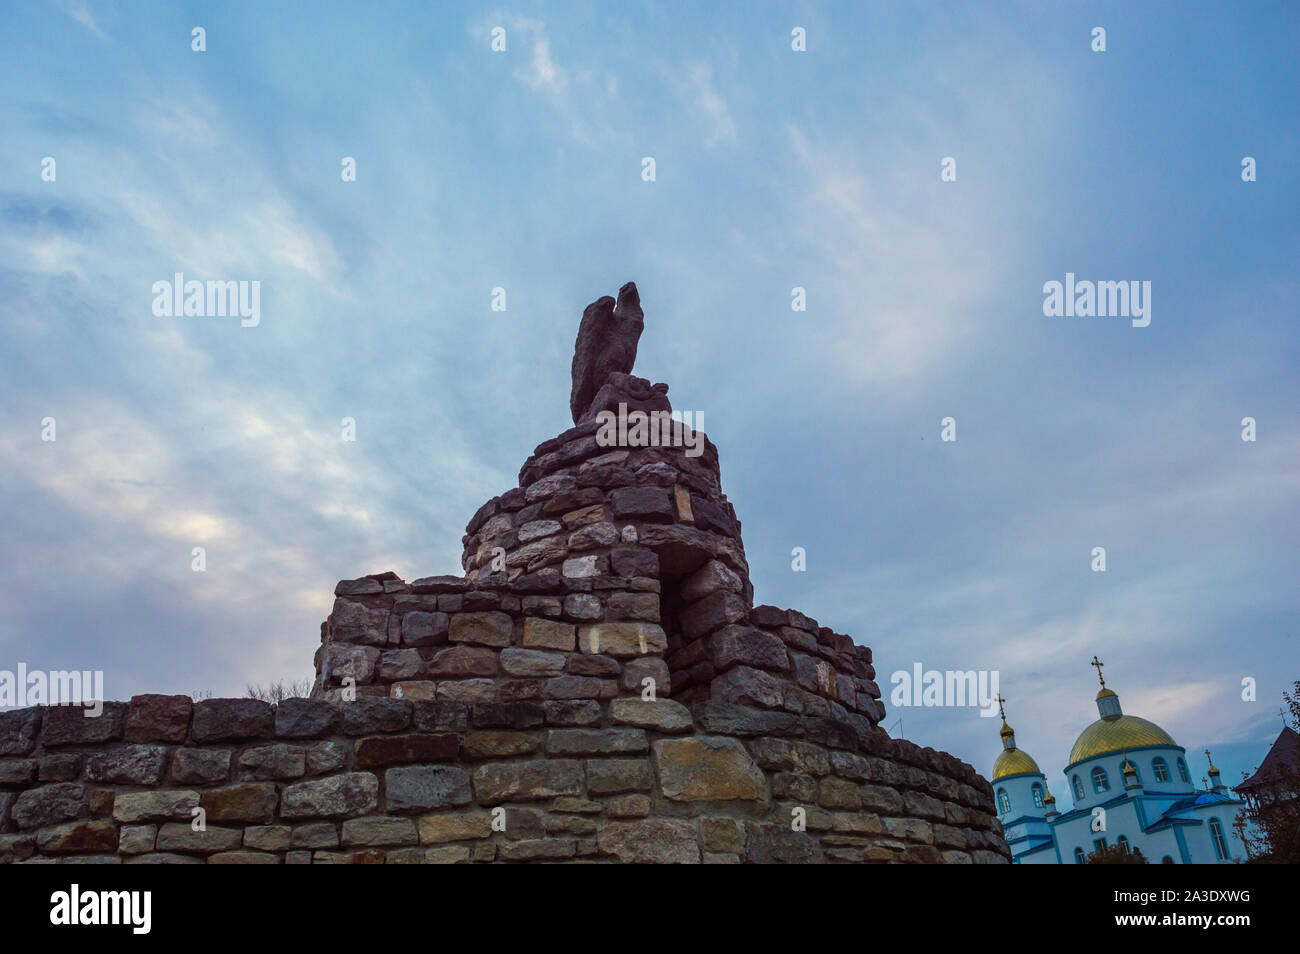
x=1115, y=734
x=1284, y=752
x=1199, y=799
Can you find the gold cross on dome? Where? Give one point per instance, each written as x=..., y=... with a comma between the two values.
x=1098, y=663
x=1001, y=712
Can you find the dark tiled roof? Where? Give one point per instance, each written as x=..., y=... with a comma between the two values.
x=1285, y=752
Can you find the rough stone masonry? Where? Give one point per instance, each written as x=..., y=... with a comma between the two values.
x=597, y=686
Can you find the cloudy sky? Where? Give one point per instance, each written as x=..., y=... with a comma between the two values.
x=774, y=169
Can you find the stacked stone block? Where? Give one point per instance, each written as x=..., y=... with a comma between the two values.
x=604, y=568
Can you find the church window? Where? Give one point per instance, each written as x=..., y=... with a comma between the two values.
x=1078, y=789
x=1100, y=783
x=1216, y=835
x=1182, y=771
x=1122, y=842
x=1038, y=795
x=1078, y=856
x=1004, y=803
x=1099, y=844
x=1167, y=860
x=1161, y=769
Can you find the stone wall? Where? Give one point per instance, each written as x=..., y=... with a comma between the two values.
x=598, y=686
x=392, y=780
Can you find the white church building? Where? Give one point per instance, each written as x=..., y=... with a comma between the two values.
x=1131, y=788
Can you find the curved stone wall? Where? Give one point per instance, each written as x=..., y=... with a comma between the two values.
x=391, y=780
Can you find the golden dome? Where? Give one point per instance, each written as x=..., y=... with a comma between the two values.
x=1013, y=762
x=1006, y=730
x=1116, y=733
x=1105, y=692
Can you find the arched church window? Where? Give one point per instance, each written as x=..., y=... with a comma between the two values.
x=1038, y=795
x=1216, y=835
x=1078, y=788
x=1004, y=803
x=1100, y=783
x=1182, y=771
x=1161, y=769
x=1078, y=856
x=1122, y=842
x=1166, y=860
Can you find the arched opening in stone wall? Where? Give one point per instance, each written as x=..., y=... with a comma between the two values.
x=671, y=605
x=687, y=656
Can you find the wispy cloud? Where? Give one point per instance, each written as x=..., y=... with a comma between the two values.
x=81, y=13
x=580, y=92
x=538, y=70
x=541, y=72
x=695, y=86
x=894, y=282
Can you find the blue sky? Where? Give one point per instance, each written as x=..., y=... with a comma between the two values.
x=775, y=169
